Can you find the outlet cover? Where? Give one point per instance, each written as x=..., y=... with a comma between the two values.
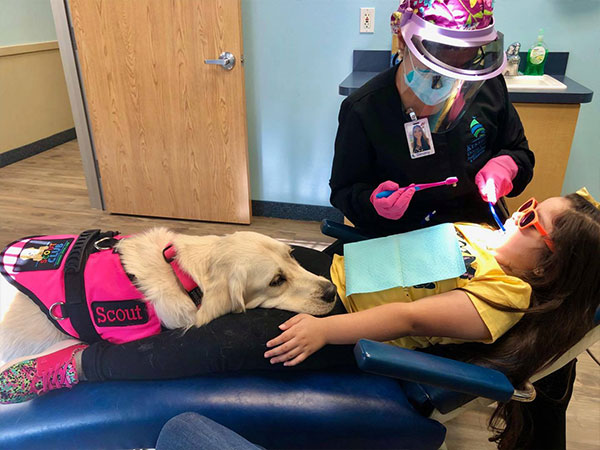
x=367, y=20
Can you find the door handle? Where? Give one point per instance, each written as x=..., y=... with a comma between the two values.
x=226, y=61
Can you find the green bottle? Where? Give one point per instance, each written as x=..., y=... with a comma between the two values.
x=536, y=56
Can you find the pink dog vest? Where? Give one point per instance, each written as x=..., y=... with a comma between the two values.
x=81, y=286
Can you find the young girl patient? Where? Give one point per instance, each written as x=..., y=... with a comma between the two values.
x=525, y=298
x=536, y=266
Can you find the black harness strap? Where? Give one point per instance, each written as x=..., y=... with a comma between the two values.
x=76, y=307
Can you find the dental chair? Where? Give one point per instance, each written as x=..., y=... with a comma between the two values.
x=395, y=399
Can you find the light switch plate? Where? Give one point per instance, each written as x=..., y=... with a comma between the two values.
x=367, y=20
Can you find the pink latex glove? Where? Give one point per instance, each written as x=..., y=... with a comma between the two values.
x=494, y=180
x=394, y=206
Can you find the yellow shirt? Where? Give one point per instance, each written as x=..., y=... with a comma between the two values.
x=483, y=277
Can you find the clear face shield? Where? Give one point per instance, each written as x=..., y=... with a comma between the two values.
x=443, y=69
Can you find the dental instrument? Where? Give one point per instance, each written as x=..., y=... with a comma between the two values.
x=496, y=218
x=490, y=192
x=419, y=187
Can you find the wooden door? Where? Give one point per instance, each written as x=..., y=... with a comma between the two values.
x=169, y=130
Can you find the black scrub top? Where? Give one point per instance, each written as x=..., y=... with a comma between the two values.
x=371, y=147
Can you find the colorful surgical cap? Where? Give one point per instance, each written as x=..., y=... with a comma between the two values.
x=454, y=14
x=583, y=192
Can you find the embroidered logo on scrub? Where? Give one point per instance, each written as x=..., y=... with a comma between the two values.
x=476, y=148
x=119, y=314
x=476, y=128
x=40, y=254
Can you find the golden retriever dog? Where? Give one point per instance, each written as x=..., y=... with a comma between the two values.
x=236, y=272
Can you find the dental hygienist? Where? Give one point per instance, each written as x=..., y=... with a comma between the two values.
x=448, y=85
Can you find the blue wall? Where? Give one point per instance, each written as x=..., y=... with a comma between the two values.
x=25, y=21
x=298, y=51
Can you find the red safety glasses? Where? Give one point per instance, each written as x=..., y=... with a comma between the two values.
x=530, y=218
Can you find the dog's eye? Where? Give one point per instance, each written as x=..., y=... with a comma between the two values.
x=277, y=281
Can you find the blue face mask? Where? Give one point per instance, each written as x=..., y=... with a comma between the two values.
x=429, y=86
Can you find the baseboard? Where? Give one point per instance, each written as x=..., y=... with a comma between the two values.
x=279, y=210
x=295, y=211
x=26, y=151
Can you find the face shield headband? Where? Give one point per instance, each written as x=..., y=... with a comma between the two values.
x=470, y=55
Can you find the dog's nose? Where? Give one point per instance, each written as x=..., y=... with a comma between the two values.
x=329, y=292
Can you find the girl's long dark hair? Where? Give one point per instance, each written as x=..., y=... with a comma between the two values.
x=565, y=296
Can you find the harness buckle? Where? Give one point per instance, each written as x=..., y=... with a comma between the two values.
x=168, y=258
x=110, y=241
x=51, y=311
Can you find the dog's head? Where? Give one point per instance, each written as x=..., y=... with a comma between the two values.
x=248, y=270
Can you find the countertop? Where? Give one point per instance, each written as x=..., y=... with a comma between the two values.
x=368, y=63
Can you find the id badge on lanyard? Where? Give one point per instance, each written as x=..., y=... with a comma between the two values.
x=418, y=136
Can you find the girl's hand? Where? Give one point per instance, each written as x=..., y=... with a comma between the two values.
x=303, y=335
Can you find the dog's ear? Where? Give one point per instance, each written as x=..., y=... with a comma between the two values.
x=237, y=286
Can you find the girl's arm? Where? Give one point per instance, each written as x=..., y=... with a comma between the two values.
x=451, y=314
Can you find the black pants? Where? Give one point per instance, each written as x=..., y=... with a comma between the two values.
x=232, y=343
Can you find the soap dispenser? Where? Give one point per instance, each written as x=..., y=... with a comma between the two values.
x=536, y=56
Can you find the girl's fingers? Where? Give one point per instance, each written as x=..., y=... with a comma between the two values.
x=286, y=356
x=297, y=360
x=279, y=350
x=290, y=322
x=281, y=339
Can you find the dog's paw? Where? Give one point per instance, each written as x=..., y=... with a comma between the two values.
x=202, y=318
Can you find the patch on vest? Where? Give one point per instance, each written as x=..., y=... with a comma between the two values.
x=40, y=254
x=120, y=314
